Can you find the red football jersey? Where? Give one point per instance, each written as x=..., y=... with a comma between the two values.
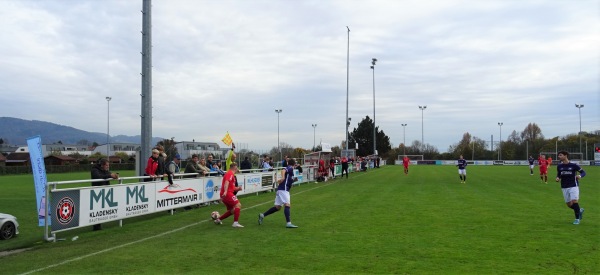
x=229, y=176
x=405, y=161
x=543, y=163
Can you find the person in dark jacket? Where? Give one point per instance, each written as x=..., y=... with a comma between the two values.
x=161, y=171
x=246, y=165
x=101, y=171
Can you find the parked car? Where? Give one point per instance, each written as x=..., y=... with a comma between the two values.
x=9, y=227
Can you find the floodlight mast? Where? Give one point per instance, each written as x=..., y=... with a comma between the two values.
x=373, y=61
x=404, y=136
x=500, y=142
x=347, y=85
x=422, y=131
x=579, y=106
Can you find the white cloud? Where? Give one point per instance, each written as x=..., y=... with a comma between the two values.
x=226, y=65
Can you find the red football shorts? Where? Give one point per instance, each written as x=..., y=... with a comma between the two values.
x=230, y=201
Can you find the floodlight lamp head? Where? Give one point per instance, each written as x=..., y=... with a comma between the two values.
x=108, y=98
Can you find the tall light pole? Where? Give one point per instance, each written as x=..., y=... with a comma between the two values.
x=108, y=98
x=373, y=61
x=422, y=131
x=347, y=85
x=314, y=134
x=347, y=126
x=500, y=142
x=404, y=136
x=579, y=106
x=278, y=111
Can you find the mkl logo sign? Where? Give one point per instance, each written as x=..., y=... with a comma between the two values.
x=138, y=192
x=106, y=196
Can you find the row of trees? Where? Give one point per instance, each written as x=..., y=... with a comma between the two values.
x=518, y=145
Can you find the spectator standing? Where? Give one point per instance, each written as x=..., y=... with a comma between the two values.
x=101, y=171
x=193, y=167
x=209, y=161
x=332, y=166
x=246, y=165
x=161, y=171
x=203, y=167
x=173, y=168
x=152, y=166
x=267, y=165
x=284, y=162
x=344, y=166
x=215, y=169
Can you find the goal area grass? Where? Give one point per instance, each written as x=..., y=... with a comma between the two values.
x=377, y=222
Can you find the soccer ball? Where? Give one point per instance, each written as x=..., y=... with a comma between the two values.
x=215, y=215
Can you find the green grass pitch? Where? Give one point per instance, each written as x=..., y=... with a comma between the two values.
x=502, y=221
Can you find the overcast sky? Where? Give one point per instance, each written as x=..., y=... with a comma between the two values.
x=226, y=65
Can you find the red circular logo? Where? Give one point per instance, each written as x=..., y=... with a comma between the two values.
x=65, y=210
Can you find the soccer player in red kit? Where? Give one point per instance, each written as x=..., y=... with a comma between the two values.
x=405, y=163
x=228, y=197
x=543, y=163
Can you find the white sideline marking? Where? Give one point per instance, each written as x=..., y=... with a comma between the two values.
x=152, y=237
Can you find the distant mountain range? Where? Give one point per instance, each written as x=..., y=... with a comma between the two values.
x=15, y=131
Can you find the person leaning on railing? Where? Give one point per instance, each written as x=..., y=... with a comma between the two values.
x=193, y=167
x=203, y=167
x=101, y=171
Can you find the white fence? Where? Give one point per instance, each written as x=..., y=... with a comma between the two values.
x=76, y=207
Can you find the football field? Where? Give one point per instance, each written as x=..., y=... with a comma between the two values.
x=502, y=221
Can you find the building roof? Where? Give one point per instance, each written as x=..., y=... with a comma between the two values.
x=14, y=157
x=61, y=157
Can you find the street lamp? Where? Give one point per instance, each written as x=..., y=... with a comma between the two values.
x=314, y=132
x=278, y=111
x=404, y=136
x=347, y=85
x=500, y=142
x=422, y=132
x=373, y=61
x=579, y=106
x=108, y=98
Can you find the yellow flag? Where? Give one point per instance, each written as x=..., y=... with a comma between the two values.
x=227, y=139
